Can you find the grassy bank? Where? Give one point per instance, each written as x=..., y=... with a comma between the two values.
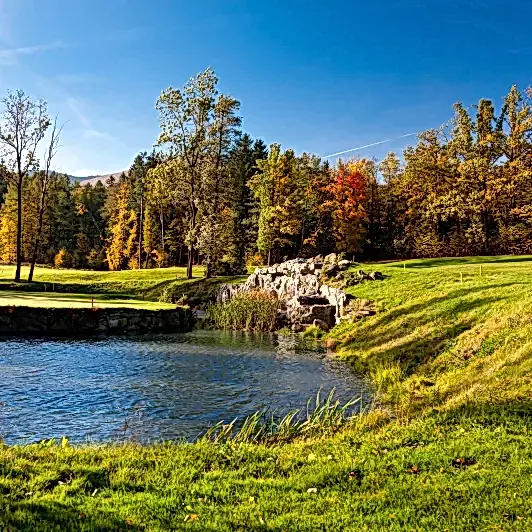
x=129, y=288
x=451, y=354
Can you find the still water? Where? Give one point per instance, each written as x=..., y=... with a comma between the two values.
x=154, y=388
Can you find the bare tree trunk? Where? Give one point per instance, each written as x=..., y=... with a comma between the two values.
x=38, y=235
x=50, y=154
x=190, y=262
x=161, y=216
x=19, y=231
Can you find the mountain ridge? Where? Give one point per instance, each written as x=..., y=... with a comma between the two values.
x=93, y=179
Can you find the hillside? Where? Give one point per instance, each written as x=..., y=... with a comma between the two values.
x=93, y=179
x=449, y=447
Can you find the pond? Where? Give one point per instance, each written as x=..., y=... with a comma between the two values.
x=154, y=388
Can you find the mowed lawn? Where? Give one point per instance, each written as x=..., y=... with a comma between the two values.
x=448, y=448
x=55, y=299
x=127, y=281
x=76, y=288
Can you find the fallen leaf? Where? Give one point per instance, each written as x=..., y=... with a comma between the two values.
x=312, y=490
x=191, y=517
x=414, y=470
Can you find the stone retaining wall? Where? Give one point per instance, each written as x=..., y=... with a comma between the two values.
x=28, y=321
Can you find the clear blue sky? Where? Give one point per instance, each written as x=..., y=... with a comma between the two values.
x=313, y=75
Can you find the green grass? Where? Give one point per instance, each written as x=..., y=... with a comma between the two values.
x=129, y=288
x=121, y=282
x=449, y=447
x=57, y=299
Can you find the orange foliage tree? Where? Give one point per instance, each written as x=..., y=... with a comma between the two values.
x=347, y=198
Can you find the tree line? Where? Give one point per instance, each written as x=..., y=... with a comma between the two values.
x=210, y=194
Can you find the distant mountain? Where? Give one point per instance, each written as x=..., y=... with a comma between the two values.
x=93, y=179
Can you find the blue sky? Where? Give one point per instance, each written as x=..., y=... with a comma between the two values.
x=315, y=76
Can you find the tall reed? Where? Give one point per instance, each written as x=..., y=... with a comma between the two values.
x=246, y=311
x=320, y=417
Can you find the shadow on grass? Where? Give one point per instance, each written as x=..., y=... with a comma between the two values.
x=443, y=324
x=458, y=261
x=198, y=290
x=487, y=414
x=44, y=516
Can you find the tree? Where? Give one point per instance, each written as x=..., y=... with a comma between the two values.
x=275, y=188
x=123, y=229
x=347, y=204
x=218, y=204
x=23, y=123
x=44, y=179
x=242, y=166
x=184, y=118
x=137, y=178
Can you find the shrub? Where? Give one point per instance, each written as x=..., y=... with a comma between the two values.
x=63, y=259
x=230, y=267
x=96, y=259
x=313, y=332
x=247, y=311
x=254, y=260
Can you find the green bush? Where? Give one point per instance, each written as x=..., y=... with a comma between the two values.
x=247, y=311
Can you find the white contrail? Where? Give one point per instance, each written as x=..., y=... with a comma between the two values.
x=369, y=145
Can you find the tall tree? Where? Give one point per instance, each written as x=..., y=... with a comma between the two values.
x=184, y=118
x=279, y=197
x=218, y=204
x=44, y=179
x=23, y=124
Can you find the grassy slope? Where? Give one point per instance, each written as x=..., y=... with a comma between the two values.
x=130, y=288
x=453, y=453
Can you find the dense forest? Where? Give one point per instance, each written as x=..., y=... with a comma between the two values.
x=210, y=194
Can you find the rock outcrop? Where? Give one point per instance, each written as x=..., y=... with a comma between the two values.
x=301, y=286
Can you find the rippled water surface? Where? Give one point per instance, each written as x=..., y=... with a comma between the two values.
x=156, y=387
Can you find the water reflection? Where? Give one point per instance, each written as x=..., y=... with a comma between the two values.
x=157, y=387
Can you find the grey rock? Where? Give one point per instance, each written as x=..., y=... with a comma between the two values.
x=321, y=324
x=299, y=285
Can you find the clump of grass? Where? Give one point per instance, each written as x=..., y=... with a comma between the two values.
x=313, y=332
x=247, y=311
x=321, y=417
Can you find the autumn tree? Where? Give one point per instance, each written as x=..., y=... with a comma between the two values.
x=23, y=124
x=348, y=196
